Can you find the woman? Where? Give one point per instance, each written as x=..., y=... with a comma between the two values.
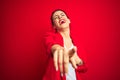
x=65, y=61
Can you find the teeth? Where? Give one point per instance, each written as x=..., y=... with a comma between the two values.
x=62, y=21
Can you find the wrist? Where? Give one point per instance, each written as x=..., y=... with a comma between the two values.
x=55, y=47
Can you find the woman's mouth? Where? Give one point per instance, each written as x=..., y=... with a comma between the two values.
x=62, y=21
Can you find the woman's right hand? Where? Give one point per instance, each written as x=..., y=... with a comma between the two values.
x=60, y=58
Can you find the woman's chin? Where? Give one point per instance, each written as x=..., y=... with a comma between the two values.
x=64, y=26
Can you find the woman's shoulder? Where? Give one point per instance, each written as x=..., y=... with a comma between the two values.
x=50, y=33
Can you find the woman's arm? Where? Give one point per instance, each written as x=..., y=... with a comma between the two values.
x=60, y=58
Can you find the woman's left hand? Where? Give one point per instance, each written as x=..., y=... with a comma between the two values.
x=74, y=58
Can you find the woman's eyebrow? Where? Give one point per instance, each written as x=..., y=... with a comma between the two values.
x=62, y=13
x=55, y=15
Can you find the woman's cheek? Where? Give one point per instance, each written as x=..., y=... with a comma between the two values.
x=55, y=21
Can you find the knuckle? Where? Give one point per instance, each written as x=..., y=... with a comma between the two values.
x=55, y=52
x=60, y=51
x=55, y=61
x=66, y=61
x=65, y=55
x=71, y=59
x=60, y=63
x=57, y=48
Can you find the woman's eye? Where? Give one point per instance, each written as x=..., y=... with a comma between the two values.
x=55, y=17
x=62, y=14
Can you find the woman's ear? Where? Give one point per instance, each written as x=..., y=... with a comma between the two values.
x=69, y=21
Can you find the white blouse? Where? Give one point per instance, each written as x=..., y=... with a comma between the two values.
x=71, y=71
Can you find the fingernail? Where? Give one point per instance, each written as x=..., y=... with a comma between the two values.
x=76, y=67
x=62, y=74
x=56, y=69
x=65, y=74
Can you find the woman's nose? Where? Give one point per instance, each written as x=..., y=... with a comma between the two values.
x=60, y=17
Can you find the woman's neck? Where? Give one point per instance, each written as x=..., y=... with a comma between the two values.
x=65, y=33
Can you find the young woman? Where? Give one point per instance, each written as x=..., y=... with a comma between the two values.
x=66, y=61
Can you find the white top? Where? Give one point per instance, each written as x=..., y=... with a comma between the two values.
x=71, y=71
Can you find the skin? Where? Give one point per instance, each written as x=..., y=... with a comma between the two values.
x=62, y=56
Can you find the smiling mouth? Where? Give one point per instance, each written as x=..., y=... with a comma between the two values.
x=62, y=21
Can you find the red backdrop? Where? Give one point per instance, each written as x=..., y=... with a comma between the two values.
x=23, y=23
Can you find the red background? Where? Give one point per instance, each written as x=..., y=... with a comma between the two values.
x=23, y=23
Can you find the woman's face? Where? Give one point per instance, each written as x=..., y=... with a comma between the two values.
x=60, y=20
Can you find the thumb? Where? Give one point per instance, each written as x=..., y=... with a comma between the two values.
x=72, y=51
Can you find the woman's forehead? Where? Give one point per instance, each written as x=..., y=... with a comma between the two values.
x=58, y=12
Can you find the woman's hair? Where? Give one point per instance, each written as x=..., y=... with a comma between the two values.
x=54, y=12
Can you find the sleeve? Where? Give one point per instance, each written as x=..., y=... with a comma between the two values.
x=51, y=38
x=48, y=41
x=82, y=54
